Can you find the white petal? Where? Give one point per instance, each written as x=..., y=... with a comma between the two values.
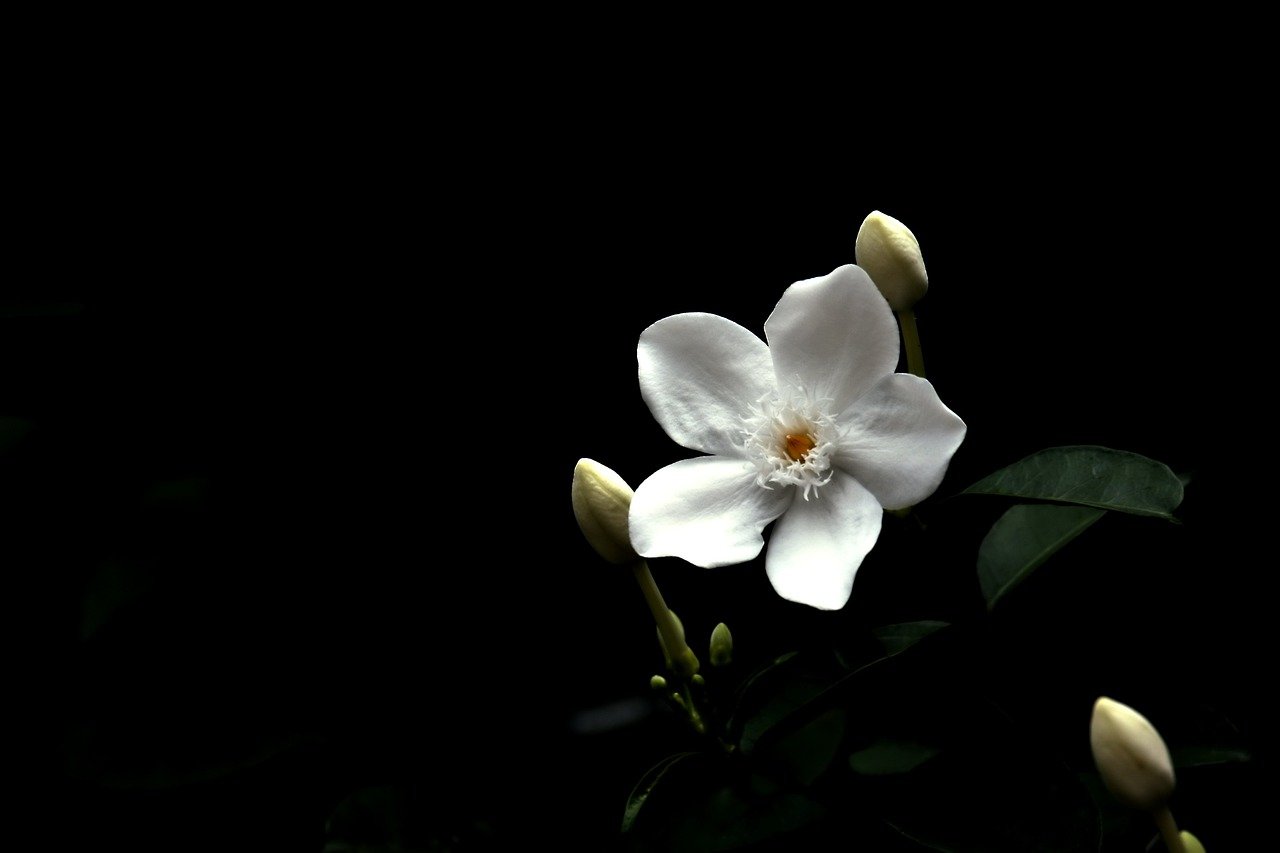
x=817, y=546
x=833, y=335
x=898, y=440
x=709, y=511
x=701, y=375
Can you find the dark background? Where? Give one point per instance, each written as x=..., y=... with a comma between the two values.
x=290, y=413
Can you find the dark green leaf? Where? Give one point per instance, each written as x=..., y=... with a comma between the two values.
x=1204, y=756
x=12, y=432
x=644, y=788
x=708, y=804
x=810, y=749
x=1090, y=476
x=793, y=697
x=899, y=637
x=753, y=692
x=1022, y=539
x=114, y=585
x=780, y=705
x=888, y=757
x=993, y=797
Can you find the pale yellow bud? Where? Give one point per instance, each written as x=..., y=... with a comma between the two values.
x=721, y=646
x=658, y=683
x=889, y=253
x=601, y=500
x=1131, y=756
x=1192, y=843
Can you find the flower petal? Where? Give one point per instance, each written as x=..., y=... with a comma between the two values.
x=834, y=336
x=898, y=439
x=701, y=374
x=709, y=511
x=817, y=546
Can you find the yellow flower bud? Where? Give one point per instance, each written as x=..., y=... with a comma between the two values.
x=721, y=646
x=658, y=683
x=889, y=253
x=601, y=500
x=1131, y=756
x=1192, y=843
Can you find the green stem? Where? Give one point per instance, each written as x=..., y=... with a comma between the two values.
x=1169, y=830
x=682, y=657
x=911, y=339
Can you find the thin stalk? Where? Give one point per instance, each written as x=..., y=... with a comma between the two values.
x=682, y=656
x=911, y=339
x=1169, y=830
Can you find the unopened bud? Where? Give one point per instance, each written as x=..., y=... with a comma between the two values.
x=658, y=683
x=601, y=500
x=684, y=662
x=1192, y=843
x=889, y=253
x=1131, y=756
x=721, y=646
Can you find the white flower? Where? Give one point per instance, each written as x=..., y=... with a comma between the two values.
x=814, y=429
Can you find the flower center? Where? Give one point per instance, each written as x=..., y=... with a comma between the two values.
x=797, y=447
x=790, y=442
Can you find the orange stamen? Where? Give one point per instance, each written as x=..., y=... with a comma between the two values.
x=797, y=447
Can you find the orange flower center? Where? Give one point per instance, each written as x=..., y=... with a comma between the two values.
x=797, y=447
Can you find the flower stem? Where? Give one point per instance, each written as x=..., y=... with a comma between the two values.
x=682, y=657
x=1169, y=830
x=911, y=339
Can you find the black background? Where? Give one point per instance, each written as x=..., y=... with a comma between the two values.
x=306, y=388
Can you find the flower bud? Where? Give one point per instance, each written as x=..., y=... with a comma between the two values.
x=889, y=253
x=658, y=683
x=601, y=500
x=721, y=646
x=1192, y=843
x=1131, y=755
x=684, y=662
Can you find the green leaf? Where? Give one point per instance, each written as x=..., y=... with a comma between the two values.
x=12, y=432
x=1089, y=476
x=779, y=706
x=1205, y=756
x=809, y=750
x=888, y=757
x=901, y=636
x=708, y=804
x=793, y=697
x=994, y=797
x=752, y=694
x=114, y=585
x=1022, y=539
x=644, y=788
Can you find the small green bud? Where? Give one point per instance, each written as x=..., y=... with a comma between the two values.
x=1192, y=843
x=721, y=646
x=658, y=683
x=1131, y=756
x=699, y=680
x=889, y=253
x=601, y=501
x=688, y=664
